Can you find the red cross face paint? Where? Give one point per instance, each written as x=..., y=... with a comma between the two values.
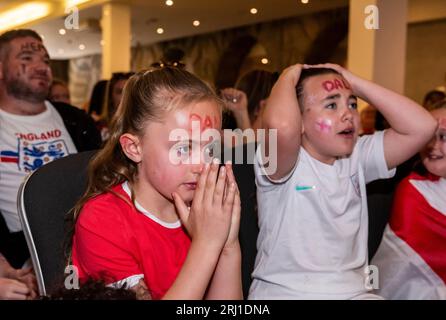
x=324, y=125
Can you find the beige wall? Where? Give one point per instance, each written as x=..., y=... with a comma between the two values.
x=426, y=58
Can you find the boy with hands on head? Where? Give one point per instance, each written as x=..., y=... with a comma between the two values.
x=313, y=209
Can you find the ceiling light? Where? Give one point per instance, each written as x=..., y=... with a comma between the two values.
x=304, y=1
x=23, y=14
x=72, y=3
x=253, y=11
x=196, y=23
x=81, y=46
x=160, y=30
x=264, y=61
x=169, y=3
x=62, y=31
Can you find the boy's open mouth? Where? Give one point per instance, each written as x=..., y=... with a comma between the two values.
x=347, y=133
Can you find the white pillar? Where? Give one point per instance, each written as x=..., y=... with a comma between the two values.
x=378, y=54
x=116, y=34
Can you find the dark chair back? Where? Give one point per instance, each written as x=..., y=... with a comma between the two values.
x=44, y=199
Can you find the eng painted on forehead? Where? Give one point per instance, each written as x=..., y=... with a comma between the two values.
x=33, y=46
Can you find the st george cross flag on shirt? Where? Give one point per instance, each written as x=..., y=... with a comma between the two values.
x=411, y=259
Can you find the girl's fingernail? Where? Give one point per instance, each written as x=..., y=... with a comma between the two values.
x=222, y=171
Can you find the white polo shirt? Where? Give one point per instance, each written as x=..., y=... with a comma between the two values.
x=313, y=224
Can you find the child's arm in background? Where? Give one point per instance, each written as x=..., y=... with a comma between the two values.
x=282, y=113
x=237, y=101
x=411, y=125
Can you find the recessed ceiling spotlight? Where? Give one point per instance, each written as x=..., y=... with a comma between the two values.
x=253, y=11
x=160, y=30
x=81, y=46
x=62, y=31
x=264, y=61
x=169, y=3
x=304, y=1
x=196, y=23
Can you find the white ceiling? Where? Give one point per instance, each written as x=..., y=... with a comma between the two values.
x=176, y=21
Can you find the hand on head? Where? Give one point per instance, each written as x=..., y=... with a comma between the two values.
x=235, y=100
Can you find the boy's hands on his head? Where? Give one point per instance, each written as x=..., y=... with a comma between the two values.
x=208, y=220
x=351, y=78
x=282, y=113
x=411, y=125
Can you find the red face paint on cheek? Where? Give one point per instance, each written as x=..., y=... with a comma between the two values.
x=324, y=125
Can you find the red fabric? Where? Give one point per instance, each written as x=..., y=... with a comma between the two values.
x=114, y=241
x=422, y=227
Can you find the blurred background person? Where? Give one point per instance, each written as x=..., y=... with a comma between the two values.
x=113, y=95
x=433, y=97
x=368, y=120
x=59, y=92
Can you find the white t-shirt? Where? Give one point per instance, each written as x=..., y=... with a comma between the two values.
x=27, y=143
x=313, y=224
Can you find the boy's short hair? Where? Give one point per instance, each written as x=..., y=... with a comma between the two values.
x=433, y=97
x=8, y=36
x=306, y=74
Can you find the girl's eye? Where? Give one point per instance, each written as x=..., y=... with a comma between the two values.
x=442, y=137
x=354, y=105
x=183, y=150
x=331, y=106
x=210, y=150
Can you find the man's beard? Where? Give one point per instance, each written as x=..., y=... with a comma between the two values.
x=22, y=91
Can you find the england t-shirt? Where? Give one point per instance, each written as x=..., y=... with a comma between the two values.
x=26, y=144
x=314, y=225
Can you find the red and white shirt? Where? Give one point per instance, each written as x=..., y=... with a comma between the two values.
x=412, y=256
x=122, y=243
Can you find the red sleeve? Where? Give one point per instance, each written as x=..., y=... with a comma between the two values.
x=101, y=246
x=404, y=205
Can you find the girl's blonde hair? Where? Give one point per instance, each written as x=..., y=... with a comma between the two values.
x=148, y=96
